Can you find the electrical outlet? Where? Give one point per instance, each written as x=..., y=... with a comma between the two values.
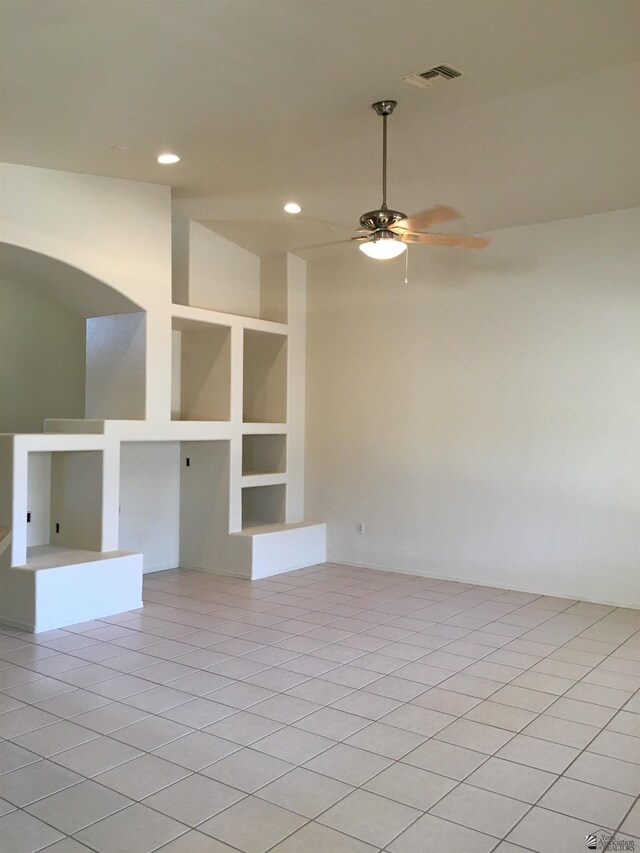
x=28, y=518
x=188, y=461
x=360, y=527
x=57, y=528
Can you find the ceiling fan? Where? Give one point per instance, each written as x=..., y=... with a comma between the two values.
x=387, y=232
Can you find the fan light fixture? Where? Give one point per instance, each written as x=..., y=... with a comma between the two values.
x=383, y=247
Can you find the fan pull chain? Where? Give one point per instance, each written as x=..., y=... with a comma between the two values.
x=406, y=266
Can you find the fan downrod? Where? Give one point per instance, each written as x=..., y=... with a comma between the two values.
x=384, y=108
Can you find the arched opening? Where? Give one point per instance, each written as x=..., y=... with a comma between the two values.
x=71, y=346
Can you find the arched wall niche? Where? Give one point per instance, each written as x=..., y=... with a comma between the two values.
x=71, y=346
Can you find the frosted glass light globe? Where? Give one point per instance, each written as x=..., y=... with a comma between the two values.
x=383, y=248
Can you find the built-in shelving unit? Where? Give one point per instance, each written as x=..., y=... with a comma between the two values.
x=263, y=505
x=264, y=454
x=265, y=377
x=201, y=371
x=191, y=450
x=64, y=500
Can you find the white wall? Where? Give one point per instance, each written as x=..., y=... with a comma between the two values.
x=222, y=275
x=150, y=502
x=483, y=420
x=42, y=359
x=117, y=231
x=115, y=381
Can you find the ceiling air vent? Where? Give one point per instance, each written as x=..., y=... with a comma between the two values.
x=432, y=76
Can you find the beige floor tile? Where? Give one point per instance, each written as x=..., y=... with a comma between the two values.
x=622, y=776
x=284, y=709
x=348, y=764
x=446, y=701
x=320, y=691
x=482, y=810
x=13, y=757
x=446, y=759
x=580, y=712
x=23, y=720
x=534, y=752
x=196, y=842
x=589, y=802
x=471, y=685
x=625, y=723
x=151, y=733
x=79, y=806
x=252, y=825
x=95, y=757
x=413, y=718
x=370, y=818
x=315, y=838
x=304, y=792
x=110, y=718
x=135, y=828
x=69, y=704
x=194, y=799
x=22, y=833
x=544, y=683
x=293, y=744
x=433, y=833
x=631, y=824
x=472, y=735
x=388, y=741
x=409, y=785
x=561, y=731
x=332, y=723
x=28, y=784
x=502, y=716
x=512, y=780
x=141, y=777
x=56, y=738
x=545, y=831
x=196, y=750
x=247, y=770
x=616, y=746
x=598, y=695
x=159, y=699
x=365, y=704
x=523, y=697
x=243, y=727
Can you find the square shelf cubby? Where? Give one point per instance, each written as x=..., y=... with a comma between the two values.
x=265, y=377
x=264, y=454
x=201, y=371
x=64, y=500
x=263, y=505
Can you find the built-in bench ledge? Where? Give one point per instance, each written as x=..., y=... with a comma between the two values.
x=278, y=548
x=64, y=586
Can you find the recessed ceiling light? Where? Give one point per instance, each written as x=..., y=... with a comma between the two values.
x=292, y=207
x=167, y=158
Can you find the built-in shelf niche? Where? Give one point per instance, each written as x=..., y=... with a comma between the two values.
x=64, y=499
x=115, y=367
x=263, y=505
x=265, y=377
x=264, y=454
x=201, y=371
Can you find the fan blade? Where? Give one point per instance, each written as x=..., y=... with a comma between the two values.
x=425, y=219
x=456, y=240
x=332, y=243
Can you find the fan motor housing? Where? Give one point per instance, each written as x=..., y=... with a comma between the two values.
x=375, y=220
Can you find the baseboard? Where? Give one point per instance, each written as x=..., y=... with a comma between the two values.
x=491, y=584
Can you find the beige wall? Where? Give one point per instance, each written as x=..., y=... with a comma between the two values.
x=483, y=420
x=42, y=359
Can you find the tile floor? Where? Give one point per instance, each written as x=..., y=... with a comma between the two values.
x=330, y=710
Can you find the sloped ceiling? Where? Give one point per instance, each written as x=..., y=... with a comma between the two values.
x=267, y=100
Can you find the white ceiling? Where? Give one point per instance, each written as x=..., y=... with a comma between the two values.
x=267, y=100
